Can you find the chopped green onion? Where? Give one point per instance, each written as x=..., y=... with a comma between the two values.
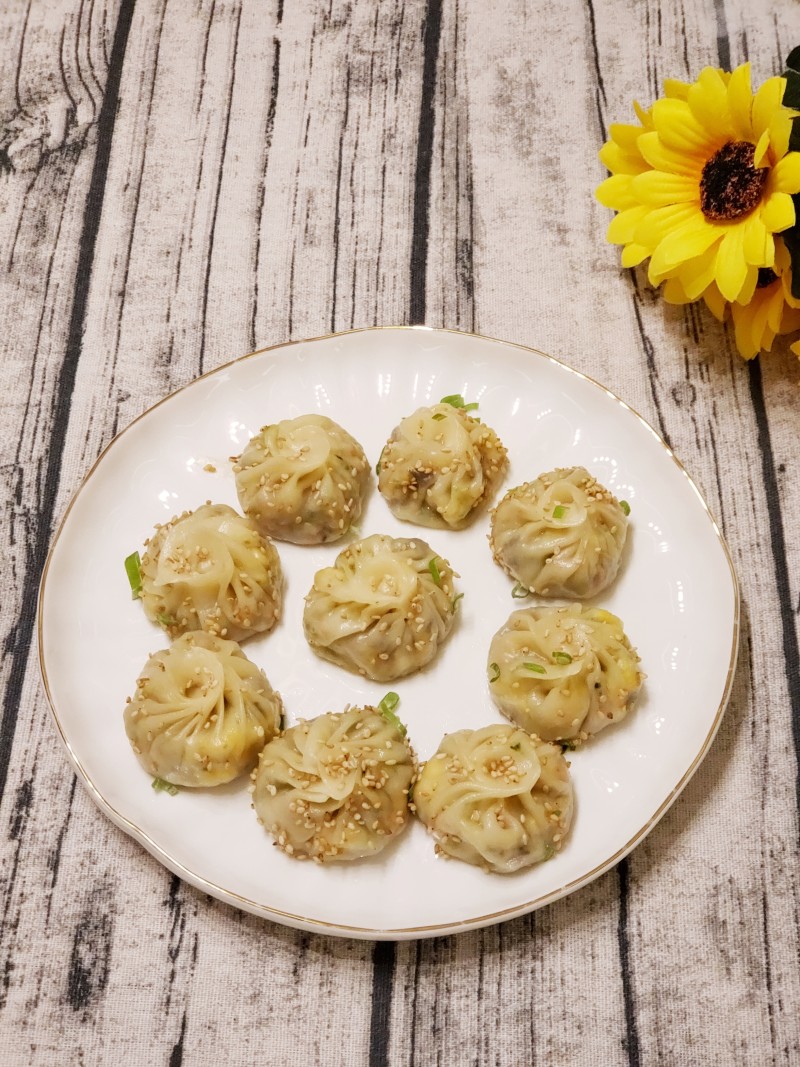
x=378, y=464
x=167, y=620
x=161, y=786
x=562, y=657
x=568, y=746
x=520, y=591
x=537, y=668
x=549, y=852
x=517, y=747
x=456, y=400
x=625, y=506
x=133, y=568
x=439, y=416
x=559, y=511
x=434, y=570
x=456, y=599
x=386, y=708
x=557, y=813
x=493, y=667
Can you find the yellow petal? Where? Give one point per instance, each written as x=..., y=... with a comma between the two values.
x=777, y=213
x=659, y=188
x=675, y=89
x=618, y=161
x=761, y=153
x=622, y=228
x=708, y=100
x=679, y=129
x=780, y=129
x=643, y=116
x=624, y=135
x=696, y=275
x=715, y=302
x=775, y=307
x=785, y=175
x=731, y=273
x=795, y=348
x=766, y=102
x=674, y=293
x=740, y=100
x=633, y=255
x=662, y=220
x=662, y=158
x=748, y=289
x=615, y=192
x=755, y=246
x=685, y=242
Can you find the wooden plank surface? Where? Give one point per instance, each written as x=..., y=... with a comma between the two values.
x=183, y=182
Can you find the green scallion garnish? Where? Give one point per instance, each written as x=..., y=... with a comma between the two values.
x=520, y=591
x=160, y=786
x=434, y=570
x=456, y=400
x=562, y=657
x=537, y=668
x=378, y=464
x=133, y=569
x=456, y=599
x=167, y=620
x=439, y=416
x=386, y=708
x=625, y=506
x=568, y=746
x=495, y=672
x=517, y=747
x=559, y=511
x=549, y=852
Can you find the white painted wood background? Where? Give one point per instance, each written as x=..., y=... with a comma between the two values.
x=185, y=180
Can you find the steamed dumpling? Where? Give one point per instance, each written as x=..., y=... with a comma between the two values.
x=496, y=797
x=201, y=713
x=439, y=465
x=335, y=788
x=563, y=673
x=211, y=570
x=561, y=535
x=383, y=609
x=303, y=480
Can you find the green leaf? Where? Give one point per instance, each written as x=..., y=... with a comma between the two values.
x=160, y=786
x=791, y=237
x=133, y=569
x=520, y=591
x=537, y=668
x=791, y=94
x=625, y=506
x=434, y=570
x=495, y=672
x=386, y=709
x=793, y=59
x=562, y=657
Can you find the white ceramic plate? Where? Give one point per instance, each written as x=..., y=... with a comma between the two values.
x=677, y=595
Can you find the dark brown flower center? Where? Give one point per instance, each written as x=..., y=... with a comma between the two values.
x=731, y=186
x=766, y=276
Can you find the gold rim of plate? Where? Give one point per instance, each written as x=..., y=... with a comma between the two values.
x=405, y=932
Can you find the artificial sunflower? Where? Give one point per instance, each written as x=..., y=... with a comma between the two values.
x=770, y=311
x=704, y=183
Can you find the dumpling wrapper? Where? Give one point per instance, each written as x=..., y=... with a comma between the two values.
x=563, y=673
x=496, y=797
x=303, y=480
x=211, y=570
x=561, y=535
x=439, y=465
x=335, y=788
x=201, y=713
x=383, y=609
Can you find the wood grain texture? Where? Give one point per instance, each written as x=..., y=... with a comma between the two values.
x=186, y=181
